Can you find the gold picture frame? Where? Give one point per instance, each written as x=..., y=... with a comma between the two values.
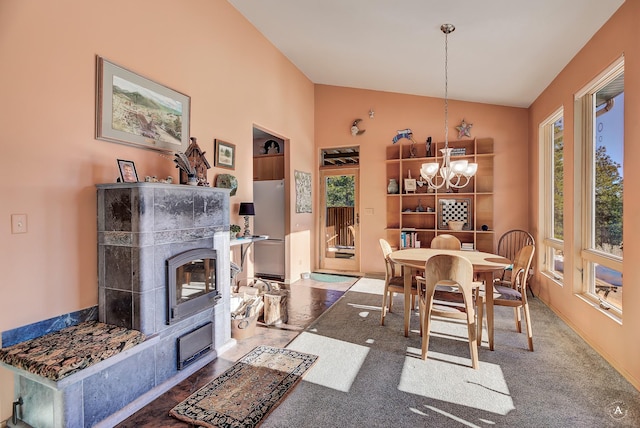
x=225, y=154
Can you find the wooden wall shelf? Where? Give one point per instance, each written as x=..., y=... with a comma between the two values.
x=475, y=201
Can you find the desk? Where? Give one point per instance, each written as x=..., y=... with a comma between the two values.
x=484, y=264
x=245, y=243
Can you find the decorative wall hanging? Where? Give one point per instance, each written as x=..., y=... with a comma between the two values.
x=408, y=134
x=225, y=154
x=403, y=133
x=227, y=181
x=354, y=128
x=134, y=110
x=303, y=191
x=464, y=129
x=268, y=147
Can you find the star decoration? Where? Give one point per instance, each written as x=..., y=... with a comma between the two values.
x=464, y=129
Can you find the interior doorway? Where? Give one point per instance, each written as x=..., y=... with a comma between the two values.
x=340, y=219
x=270, y=202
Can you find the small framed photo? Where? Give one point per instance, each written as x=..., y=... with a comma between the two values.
x=225, y=154
x=410, y=185
x=128, y=172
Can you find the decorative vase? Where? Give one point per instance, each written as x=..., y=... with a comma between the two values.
x=392, y=188
x=192, y=180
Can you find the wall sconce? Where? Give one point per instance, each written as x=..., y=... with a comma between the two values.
x=371, y=113
x=247, y=209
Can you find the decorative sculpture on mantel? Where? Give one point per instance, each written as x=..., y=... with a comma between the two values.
x=199, y=163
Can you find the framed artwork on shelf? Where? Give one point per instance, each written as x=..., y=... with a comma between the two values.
x=410, y=185
x=128, y=172
x=225, y=154
x=133, y=110
x=454, y=210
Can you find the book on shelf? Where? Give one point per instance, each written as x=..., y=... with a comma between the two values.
x=467, y=246
x=409, y=238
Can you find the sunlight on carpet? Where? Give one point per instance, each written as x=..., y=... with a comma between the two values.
x=332, y=369
x=484, y=389
x=369, y=285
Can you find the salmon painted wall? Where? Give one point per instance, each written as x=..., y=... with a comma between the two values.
x=618, y=343
x=337, y=107
x=203, y=48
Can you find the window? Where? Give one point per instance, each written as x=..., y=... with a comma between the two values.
x=340, y=156
x=600, y=118
x=552, y=195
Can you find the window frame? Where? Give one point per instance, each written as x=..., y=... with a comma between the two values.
x=550, y=244
x=586, y=255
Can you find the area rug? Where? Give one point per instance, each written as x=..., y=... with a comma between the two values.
x=244, y=394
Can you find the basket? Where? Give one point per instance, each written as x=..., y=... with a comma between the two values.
x=456, y=225
x=242, y=328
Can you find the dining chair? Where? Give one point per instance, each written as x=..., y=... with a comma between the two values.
x=393, y=281
x=446, y=242
x=515, y=294
x=509, y=244
x=447, y=291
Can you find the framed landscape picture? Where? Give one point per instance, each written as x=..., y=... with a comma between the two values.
x=133, y=110
x=225, y=154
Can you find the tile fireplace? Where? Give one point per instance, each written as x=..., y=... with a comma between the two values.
x=163, y=269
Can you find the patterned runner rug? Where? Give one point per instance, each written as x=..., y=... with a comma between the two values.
x=244, y=394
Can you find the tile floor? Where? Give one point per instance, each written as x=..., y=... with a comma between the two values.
x=308, y=299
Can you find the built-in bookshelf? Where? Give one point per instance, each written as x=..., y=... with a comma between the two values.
x=415, y=217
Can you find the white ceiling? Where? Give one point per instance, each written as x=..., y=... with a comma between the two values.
x=503, y=52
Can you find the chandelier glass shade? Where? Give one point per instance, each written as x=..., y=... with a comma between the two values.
x=451, y=174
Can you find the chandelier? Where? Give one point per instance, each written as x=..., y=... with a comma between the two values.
x=453, y=174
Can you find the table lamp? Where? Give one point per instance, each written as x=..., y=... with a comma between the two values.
x=246, y=210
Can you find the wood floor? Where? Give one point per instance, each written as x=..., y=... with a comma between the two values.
x=308, y=299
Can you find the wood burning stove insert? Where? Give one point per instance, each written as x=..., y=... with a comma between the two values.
x=192, y=285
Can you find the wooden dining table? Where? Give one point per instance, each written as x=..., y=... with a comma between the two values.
x=484, y=266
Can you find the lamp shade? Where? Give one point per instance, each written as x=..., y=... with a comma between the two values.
x=246, y=208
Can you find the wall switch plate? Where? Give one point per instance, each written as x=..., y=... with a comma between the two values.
x=18, y=223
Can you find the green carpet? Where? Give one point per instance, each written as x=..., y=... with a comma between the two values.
x=327, y=277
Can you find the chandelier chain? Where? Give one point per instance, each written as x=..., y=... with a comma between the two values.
x=446, y=89
x=454, y=174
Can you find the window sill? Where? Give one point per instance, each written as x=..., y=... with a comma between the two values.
x=558, y=280
x=612, y=312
